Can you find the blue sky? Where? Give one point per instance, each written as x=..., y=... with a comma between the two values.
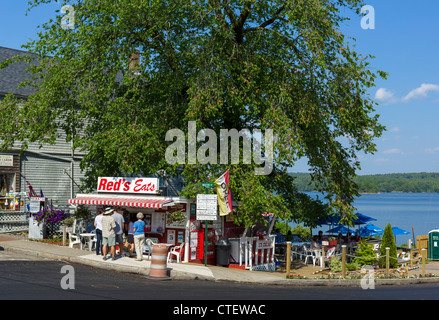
x=405, y=42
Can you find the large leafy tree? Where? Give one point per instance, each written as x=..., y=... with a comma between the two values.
x=280, y=65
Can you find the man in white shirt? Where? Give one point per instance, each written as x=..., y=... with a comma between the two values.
x=98, y=227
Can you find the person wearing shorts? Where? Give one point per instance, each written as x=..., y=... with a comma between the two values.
x=120, y=221
x=130, y=236
x=108, y=234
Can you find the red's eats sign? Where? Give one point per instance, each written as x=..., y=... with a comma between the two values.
x=128, y=185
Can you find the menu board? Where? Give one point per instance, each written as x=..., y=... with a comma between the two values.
x=207, y=206
x=158, y=222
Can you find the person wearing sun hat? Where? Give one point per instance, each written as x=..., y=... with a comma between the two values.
x=108, y=234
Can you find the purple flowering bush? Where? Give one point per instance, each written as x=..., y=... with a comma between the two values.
x=50, y=215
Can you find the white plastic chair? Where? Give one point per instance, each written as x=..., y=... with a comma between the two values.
x=330, y=254
x=295, y=252
x=308, y=253
x=317, y=256
x=73, y=240
x=93, y=240
x=176, y=251
x=376, y=249
x=148, y=245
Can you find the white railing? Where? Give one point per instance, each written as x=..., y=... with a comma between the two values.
x=258, y=253
x=13, y=221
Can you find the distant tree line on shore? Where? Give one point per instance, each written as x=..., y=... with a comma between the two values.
x=392, y=182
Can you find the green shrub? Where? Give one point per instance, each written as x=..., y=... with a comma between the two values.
x=365, y=255
x=335, y=264
x=352, y=266
x=388, y=241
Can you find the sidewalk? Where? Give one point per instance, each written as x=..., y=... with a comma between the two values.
x=187, y=271
x=179, y=271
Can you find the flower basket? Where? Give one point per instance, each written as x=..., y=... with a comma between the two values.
x=175, y=217
x=50, y=216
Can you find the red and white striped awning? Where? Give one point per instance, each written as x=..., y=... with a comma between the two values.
x=137, y=202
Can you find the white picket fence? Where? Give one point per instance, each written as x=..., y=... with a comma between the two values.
x=258, y=254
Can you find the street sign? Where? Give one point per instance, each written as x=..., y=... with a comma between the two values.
x=207, y=207
x=207, y=185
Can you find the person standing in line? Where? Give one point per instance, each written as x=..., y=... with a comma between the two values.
x=98, y=227
x=139, y=235
x=108, y=234
x=130, y=236
x=126, y=218
x=119, y=220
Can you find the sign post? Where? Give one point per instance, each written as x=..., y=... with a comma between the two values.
x=207, y=209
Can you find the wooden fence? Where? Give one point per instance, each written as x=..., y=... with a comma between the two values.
x=422, y=242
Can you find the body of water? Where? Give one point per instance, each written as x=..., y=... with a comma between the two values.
x=402, y=210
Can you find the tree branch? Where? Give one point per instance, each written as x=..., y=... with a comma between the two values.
x=273, y=19
x=238, y=27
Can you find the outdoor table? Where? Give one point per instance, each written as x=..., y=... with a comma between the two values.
x=296, y=248
x=88, y=238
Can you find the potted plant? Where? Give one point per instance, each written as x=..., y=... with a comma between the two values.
x=68, y=222
x=332, y=241
x=176, y=216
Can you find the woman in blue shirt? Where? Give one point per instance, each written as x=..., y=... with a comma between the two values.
x=139, y=235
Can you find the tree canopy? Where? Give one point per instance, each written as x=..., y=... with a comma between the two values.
x=390, y=182
x=256, y=65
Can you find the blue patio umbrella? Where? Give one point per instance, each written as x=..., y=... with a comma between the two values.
x=339, y=229
x=397, y=231
x=362, y=219
x=373, y=227
x=358, y=219
x=331, y=220
x=370, y=230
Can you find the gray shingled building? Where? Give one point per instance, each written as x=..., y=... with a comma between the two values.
x=52, y=170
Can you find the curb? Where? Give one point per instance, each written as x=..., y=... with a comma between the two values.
x=181, y=275
x=174, y=274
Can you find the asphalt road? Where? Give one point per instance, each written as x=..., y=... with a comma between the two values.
x=30, y=278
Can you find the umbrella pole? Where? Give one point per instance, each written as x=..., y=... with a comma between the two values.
x=413, y=232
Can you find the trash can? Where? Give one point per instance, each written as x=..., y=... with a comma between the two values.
x=223, y=248
x=433, y=244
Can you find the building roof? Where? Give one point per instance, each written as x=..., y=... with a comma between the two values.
x=13, y=75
